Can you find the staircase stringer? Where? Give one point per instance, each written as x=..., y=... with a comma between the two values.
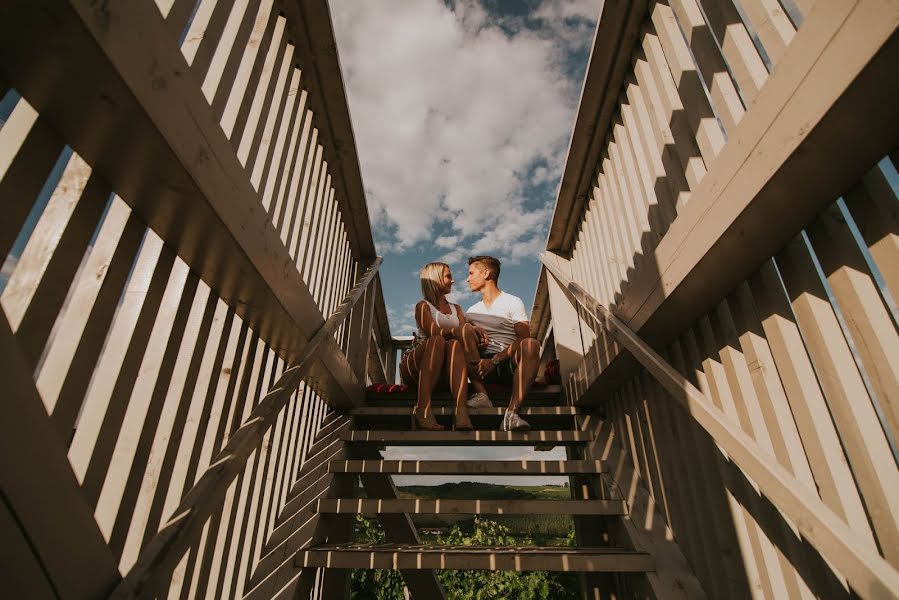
x=644, y=528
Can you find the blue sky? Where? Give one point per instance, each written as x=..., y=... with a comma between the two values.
x=462, y=113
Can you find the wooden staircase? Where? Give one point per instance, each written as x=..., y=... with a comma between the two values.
x=384, y=421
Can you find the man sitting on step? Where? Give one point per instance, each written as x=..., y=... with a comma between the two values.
x=498, y=343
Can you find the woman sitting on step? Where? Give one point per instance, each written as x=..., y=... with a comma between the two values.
x=439, y=356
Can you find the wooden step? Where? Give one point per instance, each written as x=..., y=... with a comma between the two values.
x=550, y=395
x=467, y=467
x=456, y=438
x=397, y=417
x=484, y=558
x=455, y=506
x=496, y=411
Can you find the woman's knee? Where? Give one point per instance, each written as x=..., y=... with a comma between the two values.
x=435, y=343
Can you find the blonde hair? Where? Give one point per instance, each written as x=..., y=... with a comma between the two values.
x=432, y=281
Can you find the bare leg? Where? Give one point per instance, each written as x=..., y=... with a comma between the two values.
x=456, y=370
x=527, y=356
x=472, y=355
x=425, y=365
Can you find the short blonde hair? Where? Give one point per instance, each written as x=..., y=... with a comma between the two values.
x=432, y=281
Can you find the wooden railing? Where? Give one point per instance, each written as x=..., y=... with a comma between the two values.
x=185, y=237
x=845, y=549
x=730, y=197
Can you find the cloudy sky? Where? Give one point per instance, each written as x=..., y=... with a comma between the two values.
x=462, y=113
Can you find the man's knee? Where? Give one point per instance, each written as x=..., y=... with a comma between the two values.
x=530, y=348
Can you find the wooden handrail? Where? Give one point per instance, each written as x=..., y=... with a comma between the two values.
x=854, y=557
x=169, y=544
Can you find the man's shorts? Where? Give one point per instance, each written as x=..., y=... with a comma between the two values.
x=503, y=373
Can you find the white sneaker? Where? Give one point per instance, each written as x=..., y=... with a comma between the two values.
x=479, y=400
x=512, y=422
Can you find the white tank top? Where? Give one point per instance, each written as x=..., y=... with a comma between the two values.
x=442, y=320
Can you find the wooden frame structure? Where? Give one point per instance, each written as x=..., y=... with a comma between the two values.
x=191, y=309
x=719, y=283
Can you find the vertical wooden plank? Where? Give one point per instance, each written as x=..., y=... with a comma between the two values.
x=710, y=62
x=869, y=453
x=819, y=437
x=742, y=58
x=224, y=49
x=276, y=168
x=699, y=112
x=192, y=424
x=663, y=166
x=872, y=204
x=309, y=207
x=66, y=371
x=779, y=571
x=199, y=21
x=154, y=485
x=288, y=173
x=138, y=402
x=867, y=318
x=49, y=264
x=265, y=30
x=104, y=403
x=710, y=380
x=293, y=198
x=671, y=111
x=40, y=488
x=248, y=125
x=707, y=494
x=260, y=156
x=28, y=152
x=227, y=68
x=787, y=444
x=771, y=24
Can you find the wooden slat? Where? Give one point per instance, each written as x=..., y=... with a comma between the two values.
x=645, y=530
x=453, y=506
x=477, y=467
x=165, y=550
x=862, y=566
x=205, y=209
x=492, y=558
x=620, y=23
x=402, y=411
x=716, y=243
x=443, y=438
x=40, y=489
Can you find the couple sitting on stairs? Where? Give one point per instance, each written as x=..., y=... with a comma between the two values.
x=490, y=343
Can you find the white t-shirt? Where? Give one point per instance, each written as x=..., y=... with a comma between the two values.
x=498, y=320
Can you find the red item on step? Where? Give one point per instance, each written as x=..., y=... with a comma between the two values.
x=387, y=388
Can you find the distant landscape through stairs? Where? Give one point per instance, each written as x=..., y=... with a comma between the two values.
x=596, y=505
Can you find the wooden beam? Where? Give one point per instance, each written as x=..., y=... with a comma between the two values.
x=610, y=58
x=476, y=467
x=822, y=119
x=456, y=438
x=145, y=127
x=41, y=491
x=490, y=558
x=454, y=506
x=167, y=547
x=850, y=555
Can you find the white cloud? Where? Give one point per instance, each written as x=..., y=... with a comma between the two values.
x=455, y=117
